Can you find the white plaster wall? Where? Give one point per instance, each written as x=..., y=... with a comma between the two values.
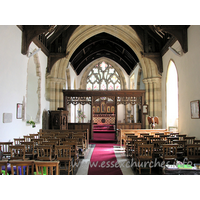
x=13, y=68
x=188, y=68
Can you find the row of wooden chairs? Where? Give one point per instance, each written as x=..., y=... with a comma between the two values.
x=168, y=149
x=62, y=146
x=27, y=167
x=182, y=140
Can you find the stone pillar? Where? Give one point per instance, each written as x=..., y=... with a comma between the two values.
x=157, y=100
x=57, y=96
x=52, y=95
x=153, y=99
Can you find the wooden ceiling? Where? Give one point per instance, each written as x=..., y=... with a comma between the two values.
x=53, y=40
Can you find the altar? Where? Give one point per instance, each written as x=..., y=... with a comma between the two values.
x=104, y=118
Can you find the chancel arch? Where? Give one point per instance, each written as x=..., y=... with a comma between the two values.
x=152, y=78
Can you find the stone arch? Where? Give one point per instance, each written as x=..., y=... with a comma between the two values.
x=95, y=62
x=152, y=78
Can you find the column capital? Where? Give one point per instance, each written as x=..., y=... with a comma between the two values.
x=151, y=80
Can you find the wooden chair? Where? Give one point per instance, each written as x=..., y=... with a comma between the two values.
x=174, y=134
x=154, y=139
x=181, y=136
x=181, y=149
x=34, y=135
x=5, y=148
x=62, y=137
x=158, y=134
x=52, y=167
x=17, y=152
x=3, y=163
x=158, y=147
x=55, y=140
x=135, y=151
x=127, y=139
x=37, y=141
x=74, y=150
x=190, y=140
x=193, y=152
x=29, y=149
x=196, y=141
x=81, y=143
x=144, y=135
x=169, y=152
x=145, y=153
x=164, y=137
x=17, y=141
x=28, y=138
x=129, y=147
x=22, y=165
x=171, y=139
x=63, y=154
x=148, y=138
x=44, y=152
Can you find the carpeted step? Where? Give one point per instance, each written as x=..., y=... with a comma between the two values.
x=103, y=131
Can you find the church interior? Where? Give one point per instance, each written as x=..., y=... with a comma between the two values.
x=100, y=100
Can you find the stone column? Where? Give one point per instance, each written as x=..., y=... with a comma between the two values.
x=153, y=99
x=57, y=96
x=52, y=95
x=157, y=100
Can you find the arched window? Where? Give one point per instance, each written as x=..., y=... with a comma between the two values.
x=172, y=96
x=103, y=77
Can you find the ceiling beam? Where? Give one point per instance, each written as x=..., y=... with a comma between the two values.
x=29, y=33
x=178, y=31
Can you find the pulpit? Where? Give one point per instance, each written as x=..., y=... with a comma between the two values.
x=58, y=119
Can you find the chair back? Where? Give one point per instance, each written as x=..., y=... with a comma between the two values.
x=63, y=152
x=145, y=151
x=52, y=167
x=22, y=167
x=5, y=148
x=44, y=152
x=190, y=140
x=17, y=152
x=17, y=141
x=193, y=152
x=170, y=151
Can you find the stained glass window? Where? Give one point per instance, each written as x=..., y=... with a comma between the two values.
x=103, y=77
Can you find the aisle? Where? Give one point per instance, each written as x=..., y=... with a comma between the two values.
x=103, y=161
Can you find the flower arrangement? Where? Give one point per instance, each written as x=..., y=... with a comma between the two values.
x=31, y=122
x=81, y=115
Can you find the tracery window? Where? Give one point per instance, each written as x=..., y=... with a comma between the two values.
x=103, y=77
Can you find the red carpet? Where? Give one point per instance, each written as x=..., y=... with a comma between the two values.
x=103, y=132
x=103, y=161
